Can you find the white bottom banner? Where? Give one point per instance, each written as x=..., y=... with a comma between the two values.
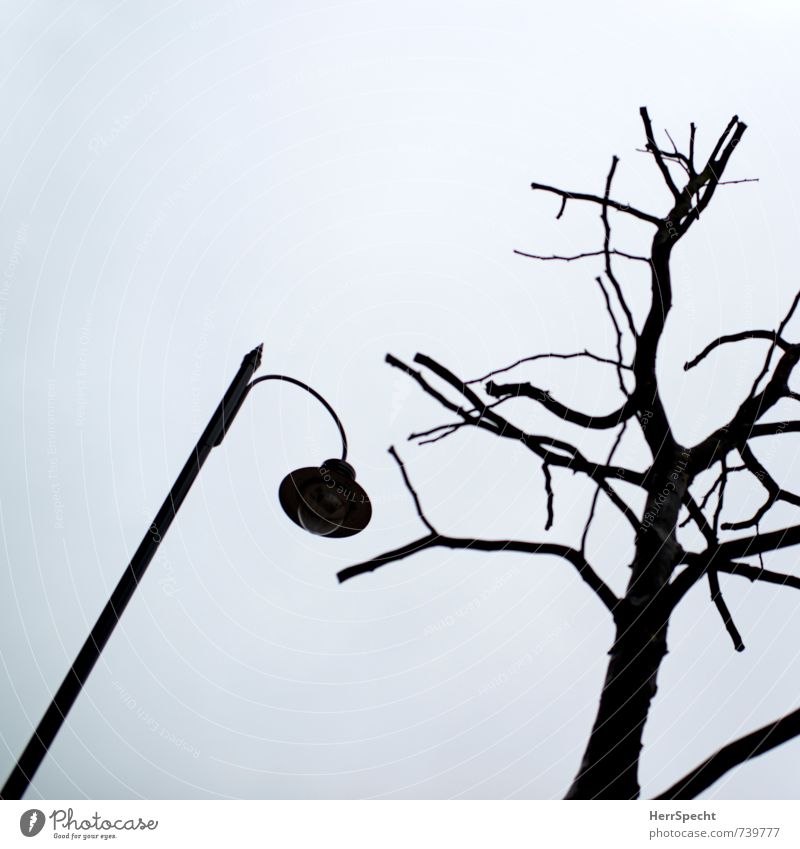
x=356, y=824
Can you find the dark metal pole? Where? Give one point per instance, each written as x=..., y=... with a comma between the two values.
x=56, y=713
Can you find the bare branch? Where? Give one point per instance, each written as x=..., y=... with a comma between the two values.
x=428, y=541
x=710, y=536
x=654, y=149
x=612, y=496
x=555, y=451
x=742, y=426
x=572, y=258
x=607, y=253
x=464, y=389
x=774, y=492
x=548, y=488
x=686, y=162
x=769, y=335
x=446, y=429
x=620, y=207
x=723, y=477
x=434, y=393
x=722, y=607
x=721, y=140
x=752, y=408
x=596, y=495
x=781, y=328
x=434, y=539
x=677, y=156
x=696, y=514
x=535, y=357
x=725, y=759
x=758, y=573
x=773, y=429
x=705, y=499
x=589, y=576
x=692, y=135
x=604, y=422
x=412, y=491
x=760, y=543
x=710, y=175
x=698, y=564
x=622, y=388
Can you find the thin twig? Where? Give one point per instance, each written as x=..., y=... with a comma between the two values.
x=572, y=258
x=535, y=357
x=654, y=149
x=722, y=607
x=620, y=380
x=607, y=252
x=412, y=491
x=596, y=495
x=548, y=488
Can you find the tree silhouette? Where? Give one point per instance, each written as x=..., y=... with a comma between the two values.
x=662, y=570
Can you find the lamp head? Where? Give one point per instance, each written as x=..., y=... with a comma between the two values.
x=326, y=500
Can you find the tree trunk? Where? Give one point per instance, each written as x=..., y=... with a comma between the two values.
x=610, y=765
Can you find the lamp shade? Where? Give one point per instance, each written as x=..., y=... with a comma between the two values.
x=326, y=500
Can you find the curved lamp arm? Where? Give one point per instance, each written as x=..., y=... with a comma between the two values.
x=311, y=391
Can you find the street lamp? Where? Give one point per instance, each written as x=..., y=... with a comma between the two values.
x=324, y=500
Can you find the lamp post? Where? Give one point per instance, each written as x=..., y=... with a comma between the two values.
x=325, y=500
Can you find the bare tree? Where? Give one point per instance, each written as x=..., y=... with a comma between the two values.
x=662, y=570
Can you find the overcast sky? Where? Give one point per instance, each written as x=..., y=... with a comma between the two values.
x=183, y=181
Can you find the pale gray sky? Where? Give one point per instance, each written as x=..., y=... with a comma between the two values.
x=339, y=180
